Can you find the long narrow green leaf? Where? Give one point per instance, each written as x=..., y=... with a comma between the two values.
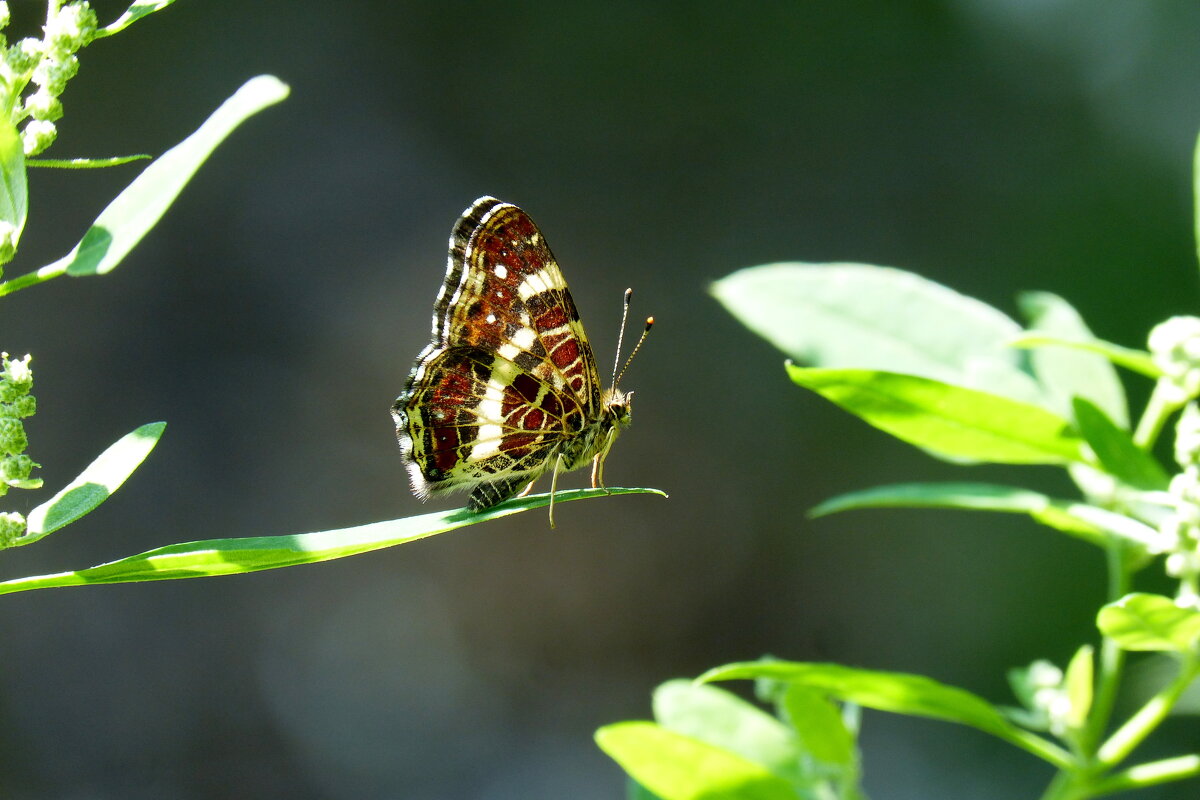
x=678, y=767
x=1090, y=523
x=139, y=207
x=143, y=202
x=1115, y=449
x=95, y=484
x=947, y=420
x=136, y=11
x=1133, y=360
x=899, y=693
x=214, y=557
x=862, y=316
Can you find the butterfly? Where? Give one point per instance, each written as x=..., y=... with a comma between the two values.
x=507, y=389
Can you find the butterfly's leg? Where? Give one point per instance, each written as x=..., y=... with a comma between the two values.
x=598, y=464
x=527, y=489
x=554, y=486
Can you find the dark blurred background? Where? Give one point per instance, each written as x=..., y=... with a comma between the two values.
x=272, y=317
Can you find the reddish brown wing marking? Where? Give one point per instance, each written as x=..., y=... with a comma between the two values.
x=459, y=438
x=509, y=284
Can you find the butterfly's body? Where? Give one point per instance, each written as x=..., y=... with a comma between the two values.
x=507, y=388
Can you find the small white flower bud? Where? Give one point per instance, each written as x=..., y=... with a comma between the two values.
x=22, y=57
x=43, y=105
x=71, y=28
x=37, y=135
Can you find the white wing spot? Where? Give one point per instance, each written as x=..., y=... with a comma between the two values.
x=523, y=338
x=491, y=318
x=534, y=284
x=488, y=443
x=501, y=271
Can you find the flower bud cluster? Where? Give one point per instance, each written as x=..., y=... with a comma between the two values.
x=16, y=403
x=48, y=64
x=1182, y=526
x=12, y=527
x=1175, y=348
x=1042, y=689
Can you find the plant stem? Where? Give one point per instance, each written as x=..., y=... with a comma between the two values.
x=1148, y=717
x=1149, y=774
x=33, y=278
x=1161, y=406
x=1112, y=658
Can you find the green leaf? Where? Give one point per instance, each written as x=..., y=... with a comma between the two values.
x=1149, y=622
x=1116, y=451
x=949, y=421
x=214, y=557
x=139, y=9
x=140, y=206
x=95, y=484
x=1066, y=373
x=678, y=767
x=1138, y=361
x=143, y=202
x=878, y=318
x=1079, y=681
x=724, y=720
x=635, y=791
x=1089, y=523
x=819, y=726
x=899, y=693
x=14, y=191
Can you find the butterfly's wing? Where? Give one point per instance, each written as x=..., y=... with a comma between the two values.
x=508, y=376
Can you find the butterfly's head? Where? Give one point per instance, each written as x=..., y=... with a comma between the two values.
x=618, y=408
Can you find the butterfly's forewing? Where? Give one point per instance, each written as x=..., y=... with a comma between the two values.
x=508, y=375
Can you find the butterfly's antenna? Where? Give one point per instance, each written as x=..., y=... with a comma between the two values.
x=636, y=347
x=621, y=335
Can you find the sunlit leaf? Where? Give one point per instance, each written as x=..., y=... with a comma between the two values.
x=14, y=190
x=212, y=557
x=1079, y=680
x=947, y=420
x=679, y=767
x=136, y=11
x=724, y=720
x=95, y=484
x=1150, y=622
x=819, y=726
x=879, y=318
x=136, y=210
